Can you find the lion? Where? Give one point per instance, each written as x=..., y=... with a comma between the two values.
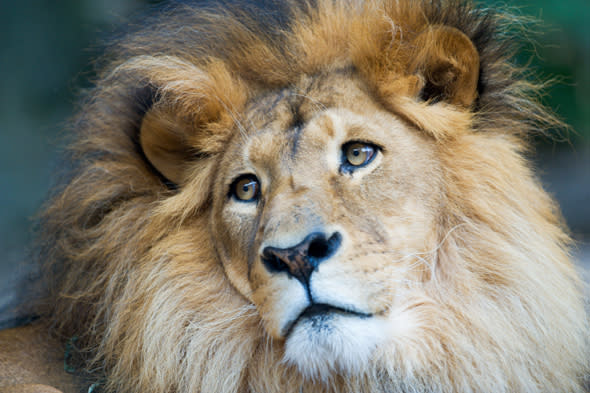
x=326, y=196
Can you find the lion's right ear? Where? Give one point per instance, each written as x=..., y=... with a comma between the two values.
x=192, y=112
x=164, y=142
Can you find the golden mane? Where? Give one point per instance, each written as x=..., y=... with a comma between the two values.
x=114, y=241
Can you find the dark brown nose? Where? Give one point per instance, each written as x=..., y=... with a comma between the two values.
x=302, y=259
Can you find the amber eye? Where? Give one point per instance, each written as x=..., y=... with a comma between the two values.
x=245, y=188
x=356, y=155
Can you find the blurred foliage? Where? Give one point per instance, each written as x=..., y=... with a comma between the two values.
x=558, y=47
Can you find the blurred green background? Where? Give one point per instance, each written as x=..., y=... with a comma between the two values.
x=46, y=49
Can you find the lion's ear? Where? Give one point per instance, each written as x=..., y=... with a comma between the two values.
x=163, y=139
x=448, y=63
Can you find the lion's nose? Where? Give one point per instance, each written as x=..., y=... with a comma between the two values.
x=302, y=259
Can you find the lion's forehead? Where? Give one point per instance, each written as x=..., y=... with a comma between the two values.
x=294, y=105
x=314, y=116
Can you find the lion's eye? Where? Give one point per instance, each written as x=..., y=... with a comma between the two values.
x=245, y=188
x=356, y=155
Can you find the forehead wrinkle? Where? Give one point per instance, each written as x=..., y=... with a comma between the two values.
x=298, y=94
x=294, y=137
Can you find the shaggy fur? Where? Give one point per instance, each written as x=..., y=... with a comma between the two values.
x=132, y=236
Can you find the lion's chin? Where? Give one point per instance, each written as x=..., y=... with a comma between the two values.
x=321, y=344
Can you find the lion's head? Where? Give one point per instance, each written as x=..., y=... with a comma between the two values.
x=327, y=197
x=324, y=209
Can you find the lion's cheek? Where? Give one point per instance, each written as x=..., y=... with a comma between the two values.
x=228, y=234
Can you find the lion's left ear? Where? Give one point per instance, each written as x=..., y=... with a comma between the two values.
x=448, y=63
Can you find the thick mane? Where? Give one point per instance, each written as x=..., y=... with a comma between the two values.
x=115, y=236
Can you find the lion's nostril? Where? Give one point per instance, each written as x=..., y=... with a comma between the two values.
x=321, y=248
x=318, y=248
x=272, y=262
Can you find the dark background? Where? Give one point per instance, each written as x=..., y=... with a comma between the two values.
x=46, y=49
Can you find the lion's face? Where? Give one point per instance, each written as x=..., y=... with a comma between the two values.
x=324, y=205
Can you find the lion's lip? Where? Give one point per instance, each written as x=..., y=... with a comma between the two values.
x=319, y=309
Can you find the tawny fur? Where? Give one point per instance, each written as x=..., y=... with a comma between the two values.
x=134, y=272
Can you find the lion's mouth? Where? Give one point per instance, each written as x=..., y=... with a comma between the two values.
x=319, y=314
